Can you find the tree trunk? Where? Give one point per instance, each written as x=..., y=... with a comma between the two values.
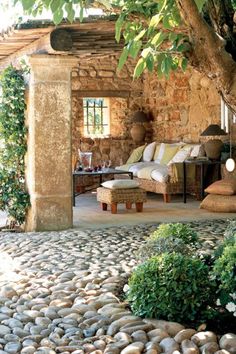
x=209, y=53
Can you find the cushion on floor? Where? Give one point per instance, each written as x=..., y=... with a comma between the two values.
x=224, y=187
x=219, y=203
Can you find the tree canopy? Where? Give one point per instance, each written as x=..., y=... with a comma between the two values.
x=164, y=35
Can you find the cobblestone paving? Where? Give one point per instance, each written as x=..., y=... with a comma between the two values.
x=59, y=294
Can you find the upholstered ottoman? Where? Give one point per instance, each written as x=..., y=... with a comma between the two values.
x=112, y=197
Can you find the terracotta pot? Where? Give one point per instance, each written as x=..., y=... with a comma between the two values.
x=138, y=133
x=213, y=148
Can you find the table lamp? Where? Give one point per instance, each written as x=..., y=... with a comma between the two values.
x=213, y=146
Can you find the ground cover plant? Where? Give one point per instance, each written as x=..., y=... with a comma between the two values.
x=174, y=282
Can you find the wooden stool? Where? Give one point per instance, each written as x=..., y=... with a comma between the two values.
x=128, y=196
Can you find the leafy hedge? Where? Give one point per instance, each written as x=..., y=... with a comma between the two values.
x=171, y=286
x=13, y=195
x=170, y=238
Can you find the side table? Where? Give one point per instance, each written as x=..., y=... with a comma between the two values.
x=202, y=163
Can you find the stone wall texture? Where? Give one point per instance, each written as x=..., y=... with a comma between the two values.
x=180, y=108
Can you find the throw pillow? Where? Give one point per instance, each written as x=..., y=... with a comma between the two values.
x=156, y=153
x=180, y=156
x=121, y=184
x=136, y=155
x=149, y=152
x=219, y=203
x=166, y=153
x=223, y=187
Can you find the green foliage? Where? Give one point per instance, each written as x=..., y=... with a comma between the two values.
x=171, y=286
x=154, y=38
x=178, y=230
x=178, y=238
x=13, y=196
x=229, y=239
x=224, y=271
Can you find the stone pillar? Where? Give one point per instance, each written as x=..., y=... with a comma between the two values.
x=48, y=162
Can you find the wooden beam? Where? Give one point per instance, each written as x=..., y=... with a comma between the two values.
x=102, y=93
x=61, y=40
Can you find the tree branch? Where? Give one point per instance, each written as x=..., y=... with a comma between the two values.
x=209, y=48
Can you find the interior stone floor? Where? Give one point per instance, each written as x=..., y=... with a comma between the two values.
x=88, y=213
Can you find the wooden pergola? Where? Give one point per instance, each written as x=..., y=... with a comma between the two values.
x=94, y=36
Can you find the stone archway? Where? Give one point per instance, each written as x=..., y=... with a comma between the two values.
x=48, y=172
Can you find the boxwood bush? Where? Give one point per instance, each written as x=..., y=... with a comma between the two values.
x=169, y=238
x=224, y=271
x=171, y=286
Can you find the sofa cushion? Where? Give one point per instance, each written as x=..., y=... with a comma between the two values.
x=166, y=153
x=136, y=154
x=181, y=155
x=197, y=150
x=149, y=152
x=219, y=203
x=135, y=168
x=160, y=174
x=121, y=184
x=156, y=152
x=125, y=167
x=223, y=187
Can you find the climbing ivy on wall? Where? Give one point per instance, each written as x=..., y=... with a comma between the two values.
x=14, y=198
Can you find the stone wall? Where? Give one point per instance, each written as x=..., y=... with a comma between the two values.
x=101, y=78
x=180, y=108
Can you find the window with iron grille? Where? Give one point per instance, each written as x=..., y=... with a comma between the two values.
x=96, y=116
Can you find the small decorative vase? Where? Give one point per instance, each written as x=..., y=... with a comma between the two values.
x=138, y=133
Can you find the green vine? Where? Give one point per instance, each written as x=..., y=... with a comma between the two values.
x=14, y=198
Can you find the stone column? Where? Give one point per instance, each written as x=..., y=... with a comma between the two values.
x=48, y=170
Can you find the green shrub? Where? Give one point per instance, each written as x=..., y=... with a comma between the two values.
x=177, y=230
x=224, y=271
x=169, y=238
x=229, y=239
x=172, y=287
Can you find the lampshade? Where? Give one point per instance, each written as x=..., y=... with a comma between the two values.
x=213, y=129
x=140, y=117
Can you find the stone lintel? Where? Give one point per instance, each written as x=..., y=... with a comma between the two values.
x=52, y=60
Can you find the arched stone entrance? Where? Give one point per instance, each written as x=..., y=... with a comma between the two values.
x=48, y=173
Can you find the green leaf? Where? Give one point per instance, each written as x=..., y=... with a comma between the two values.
x=28, y=4
x=54, y=6
x=58, y=16
x=146, y=51
x=155, y=20
x=135, y=48
x=123, y=58
x=184, y=63
x=160, y=58
x=118, y=27
x=140, y=35
x=141, y=64
x=200, y=4
x=167, y=22
x=150, y=63
x=81, y=12
x=158, y=39
x=70, y=11
x=47, y=3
